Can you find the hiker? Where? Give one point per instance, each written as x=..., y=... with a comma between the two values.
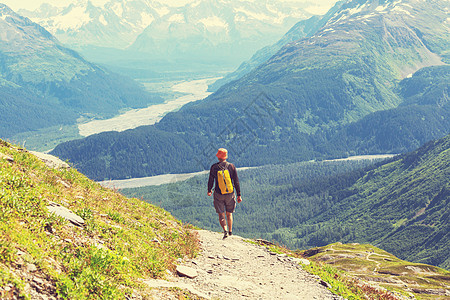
x=224, y=176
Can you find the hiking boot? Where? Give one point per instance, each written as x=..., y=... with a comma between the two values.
x=230, y=233
x=225, y=235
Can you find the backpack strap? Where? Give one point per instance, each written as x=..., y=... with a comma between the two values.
x=226, y=166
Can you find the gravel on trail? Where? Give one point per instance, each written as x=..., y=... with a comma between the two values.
x=232, y=268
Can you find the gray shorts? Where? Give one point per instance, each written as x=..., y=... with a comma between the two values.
x=224, y=203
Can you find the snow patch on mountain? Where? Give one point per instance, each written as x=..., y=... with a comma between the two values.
x=356, y=10
x=401, y=10
x=102, y=20
x=177, y=18
x=146, y=19
x=214, y=21
x=161, y=11
x=381, y=7
x=252, y=14
x=75, y=19
x=118, y=9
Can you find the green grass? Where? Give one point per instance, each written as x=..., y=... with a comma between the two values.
x=373, y=268
x=123, y=240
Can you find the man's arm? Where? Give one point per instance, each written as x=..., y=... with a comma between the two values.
x=235, y=178
x=210, y=181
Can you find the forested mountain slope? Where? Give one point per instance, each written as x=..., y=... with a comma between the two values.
x=401, y=205
x=291, y=107
x=44, y=84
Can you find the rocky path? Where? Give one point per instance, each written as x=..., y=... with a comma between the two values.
x=235, y=269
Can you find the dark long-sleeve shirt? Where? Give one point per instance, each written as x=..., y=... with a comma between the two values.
x=213, y=177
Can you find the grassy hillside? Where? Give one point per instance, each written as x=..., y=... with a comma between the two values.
x=122, y=240
x=372, y=268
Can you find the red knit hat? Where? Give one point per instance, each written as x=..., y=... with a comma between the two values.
x=222, y=153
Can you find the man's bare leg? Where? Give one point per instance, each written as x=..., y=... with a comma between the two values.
x=230, y=222
x=222, y=221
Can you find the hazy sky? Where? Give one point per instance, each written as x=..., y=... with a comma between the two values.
x=33, y=4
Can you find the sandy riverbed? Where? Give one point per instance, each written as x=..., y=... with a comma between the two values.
x=172, y=178
x=194, y=90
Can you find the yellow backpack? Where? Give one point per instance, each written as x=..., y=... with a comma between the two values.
x=224, y=180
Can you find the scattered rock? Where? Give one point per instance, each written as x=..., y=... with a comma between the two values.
x=312, y=252
x=37, y=286
x=50, y=160
x=65, y=213
x=187, y=272
x=6, y=157
x=101, y=246
x=49, y=228
x=302, y=261
x=440, y=292
x=19, y=262
x=324, y=283
x=63, y=183
x=264, y=242
x=38, y=280
x=31, y=268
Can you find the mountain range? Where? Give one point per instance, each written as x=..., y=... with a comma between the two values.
x=305, y=28
x=352, y=87
x=44, y=84
x=207, y=32
x=302, y=29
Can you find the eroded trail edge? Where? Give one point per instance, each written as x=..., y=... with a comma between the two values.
x=236, y=269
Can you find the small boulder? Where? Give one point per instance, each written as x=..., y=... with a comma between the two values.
x=31, y=268
x=65, y=213
x=63, y=183
x=187, y=272
x=6, y=157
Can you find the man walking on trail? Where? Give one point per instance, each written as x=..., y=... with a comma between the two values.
x=224, y=176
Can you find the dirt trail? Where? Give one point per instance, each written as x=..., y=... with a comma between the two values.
x=235, y=269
